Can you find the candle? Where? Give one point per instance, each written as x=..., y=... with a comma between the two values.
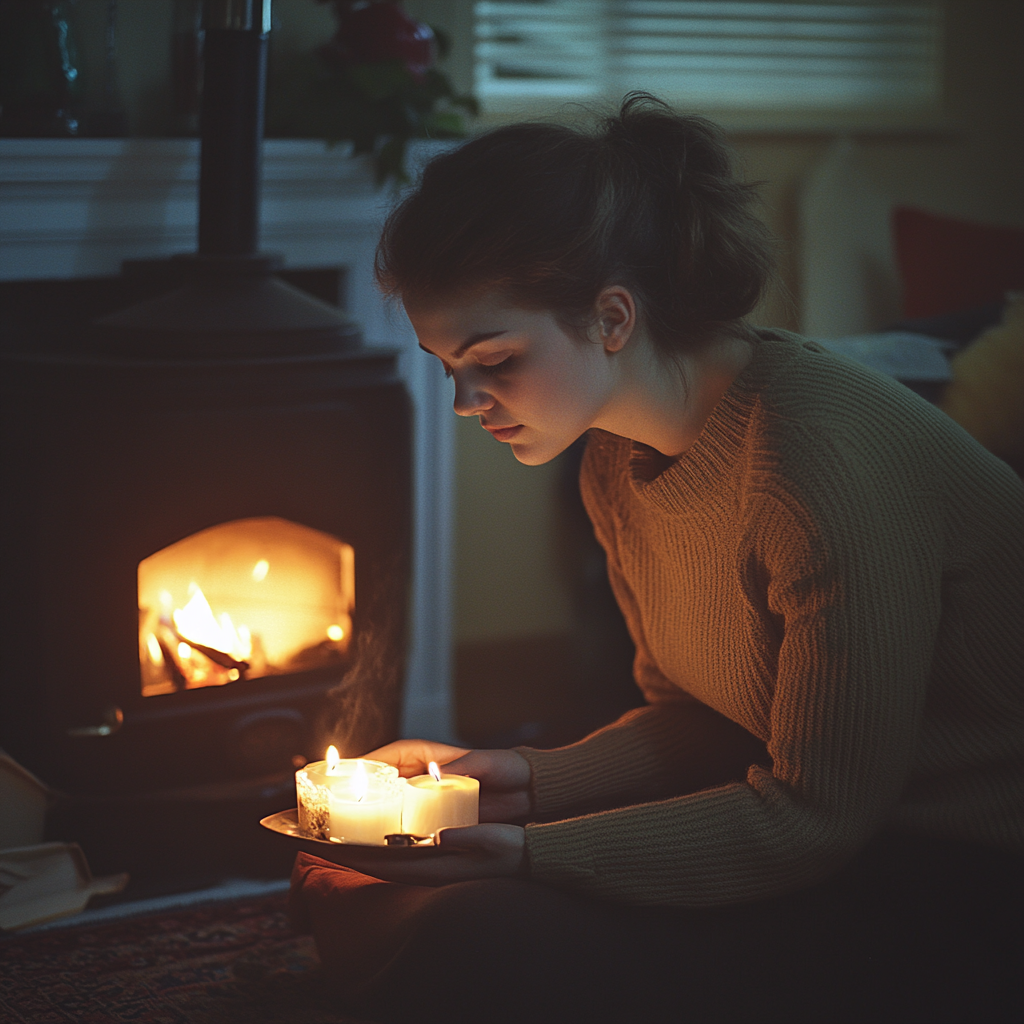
x=349, y=800
x=437, y=801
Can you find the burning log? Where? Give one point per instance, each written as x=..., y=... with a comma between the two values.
x=177, y=677
x=217, y=657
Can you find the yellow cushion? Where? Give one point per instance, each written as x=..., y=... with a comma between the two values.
x=986, y=394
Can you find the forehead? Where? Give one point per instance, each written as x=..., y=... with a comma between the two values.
x=455, y=311
x=448, y=325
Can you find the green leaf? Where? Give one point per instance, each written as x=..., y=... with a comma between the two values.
x=444, y=124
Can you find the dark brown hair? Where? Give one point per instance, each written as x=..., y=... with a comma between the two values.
x=550, y=215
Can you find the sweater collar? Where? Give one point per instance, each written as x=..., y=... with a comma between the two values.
x=677, y=483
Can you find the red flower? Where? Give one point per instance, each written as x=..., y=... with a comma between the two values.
x=374, y=31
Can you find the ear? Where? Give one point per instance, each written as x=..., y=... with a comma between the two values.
x=615, y=318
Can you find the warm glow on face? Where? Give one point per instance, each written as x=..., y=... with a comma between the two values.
x=360, y=782
x=260, y=570
x=335, y=633
x=434, y=771
x=333, y=757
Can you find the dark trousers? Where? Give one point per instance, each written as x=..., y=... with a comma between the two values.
x=912, y=931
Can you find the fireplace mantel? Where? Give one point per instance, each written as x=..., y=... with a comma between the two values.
x=78, y=207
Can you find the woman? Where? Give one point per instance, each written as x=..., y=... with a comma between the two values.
x=823, y=577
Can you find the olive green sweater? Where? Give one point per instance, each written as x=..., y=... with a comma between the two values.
x=837, y=567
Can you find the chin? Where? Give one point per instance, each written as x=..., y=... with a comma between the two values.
x=535, y=454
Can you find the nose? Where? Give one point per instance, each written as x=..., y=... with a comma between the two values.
x=470, y=398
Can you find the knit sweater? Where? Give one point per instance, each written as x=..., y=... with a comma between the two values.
x=837, y=567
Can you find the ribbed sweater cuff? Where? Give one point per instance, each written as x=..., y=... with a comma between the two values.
x=622, y=762
x=709, y=849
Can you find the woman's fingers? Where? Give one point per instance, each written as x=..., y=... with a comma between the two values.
x=411, y=757
x=472, y=851
x=499, y=848
x=504, y=775
x=503, y=770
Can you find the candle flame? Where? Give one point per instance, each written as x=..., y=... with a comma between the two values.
x=360, y=783
x=434, y=771
x=333, y=757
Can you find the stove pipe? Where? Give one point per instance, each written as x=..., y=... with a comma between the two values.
x=231, y=125
x=231, y=305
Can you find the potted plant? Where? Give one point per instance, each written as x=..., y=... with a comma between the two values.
x=373, y=84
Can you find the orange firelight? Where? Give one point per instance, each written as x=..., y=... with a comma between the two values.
x=243, y=600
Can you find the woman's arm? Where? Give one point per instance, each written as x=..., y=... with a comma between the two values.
x=859, y=604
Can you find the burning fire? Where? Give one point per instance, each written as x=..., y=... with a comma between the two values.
x=243, y=600
x=197, y=625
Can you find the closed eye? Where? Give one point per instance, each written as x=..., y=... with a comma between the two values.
x=492, y=369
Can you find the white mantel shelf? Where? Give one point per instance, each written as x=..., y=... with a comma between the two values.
x=79, y=207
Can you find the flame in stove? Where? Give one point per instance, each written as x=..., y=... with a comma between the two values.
x=196, y=622
x=243, y=600
x=153, y=647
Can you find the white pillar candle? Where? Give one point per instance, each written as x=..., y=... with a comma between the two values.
x=349, y=800
x=437, y=801
x=366, y=821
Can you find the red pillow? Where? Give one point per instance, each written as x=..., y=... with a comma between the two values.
x=948, y=265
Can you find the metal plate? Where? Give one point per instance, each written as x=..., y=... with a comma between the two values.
x=286, y=823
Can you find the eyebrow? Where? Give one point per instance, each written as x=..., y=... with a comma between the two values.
x=474, y=339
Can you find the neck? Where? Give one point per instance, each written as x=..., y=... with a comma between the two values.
x=665, y=404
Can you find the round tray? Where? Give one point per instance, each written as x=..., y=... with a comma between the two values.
x=286, y=823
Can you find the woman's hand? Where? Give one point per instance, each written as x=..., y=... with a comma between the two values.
x=504, y=775
x=471, y=851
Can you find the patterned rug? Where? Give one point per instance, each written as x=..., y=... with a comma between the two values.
x=220, y=963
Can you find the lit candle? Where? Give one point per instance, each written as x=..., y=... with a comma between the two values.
x=437, y=801
x=349, y=800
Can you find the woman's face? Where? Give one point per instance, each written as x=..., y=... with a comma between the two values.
x=533, y=385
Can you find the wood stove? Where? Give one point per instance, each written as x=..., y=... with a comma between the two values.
x=207, y=506
x=131, y=482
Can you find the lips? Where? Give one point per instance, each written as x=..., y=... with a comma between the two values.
x=503, y=433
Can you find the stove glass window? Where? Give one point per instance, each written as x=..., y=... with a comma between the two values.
x=243, y=600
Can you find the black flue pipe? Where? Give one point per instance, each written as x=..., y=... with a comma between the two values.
x=230, y=304
x=231, y=125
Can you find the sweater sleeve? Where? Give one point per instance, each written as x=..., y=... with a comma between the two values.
x=854, y=580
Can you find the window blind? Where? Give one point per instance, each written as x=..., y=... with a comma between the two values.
x=744, y=54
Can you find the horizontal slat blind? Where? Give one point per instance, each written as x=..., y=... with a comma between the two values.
x=729, y=53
